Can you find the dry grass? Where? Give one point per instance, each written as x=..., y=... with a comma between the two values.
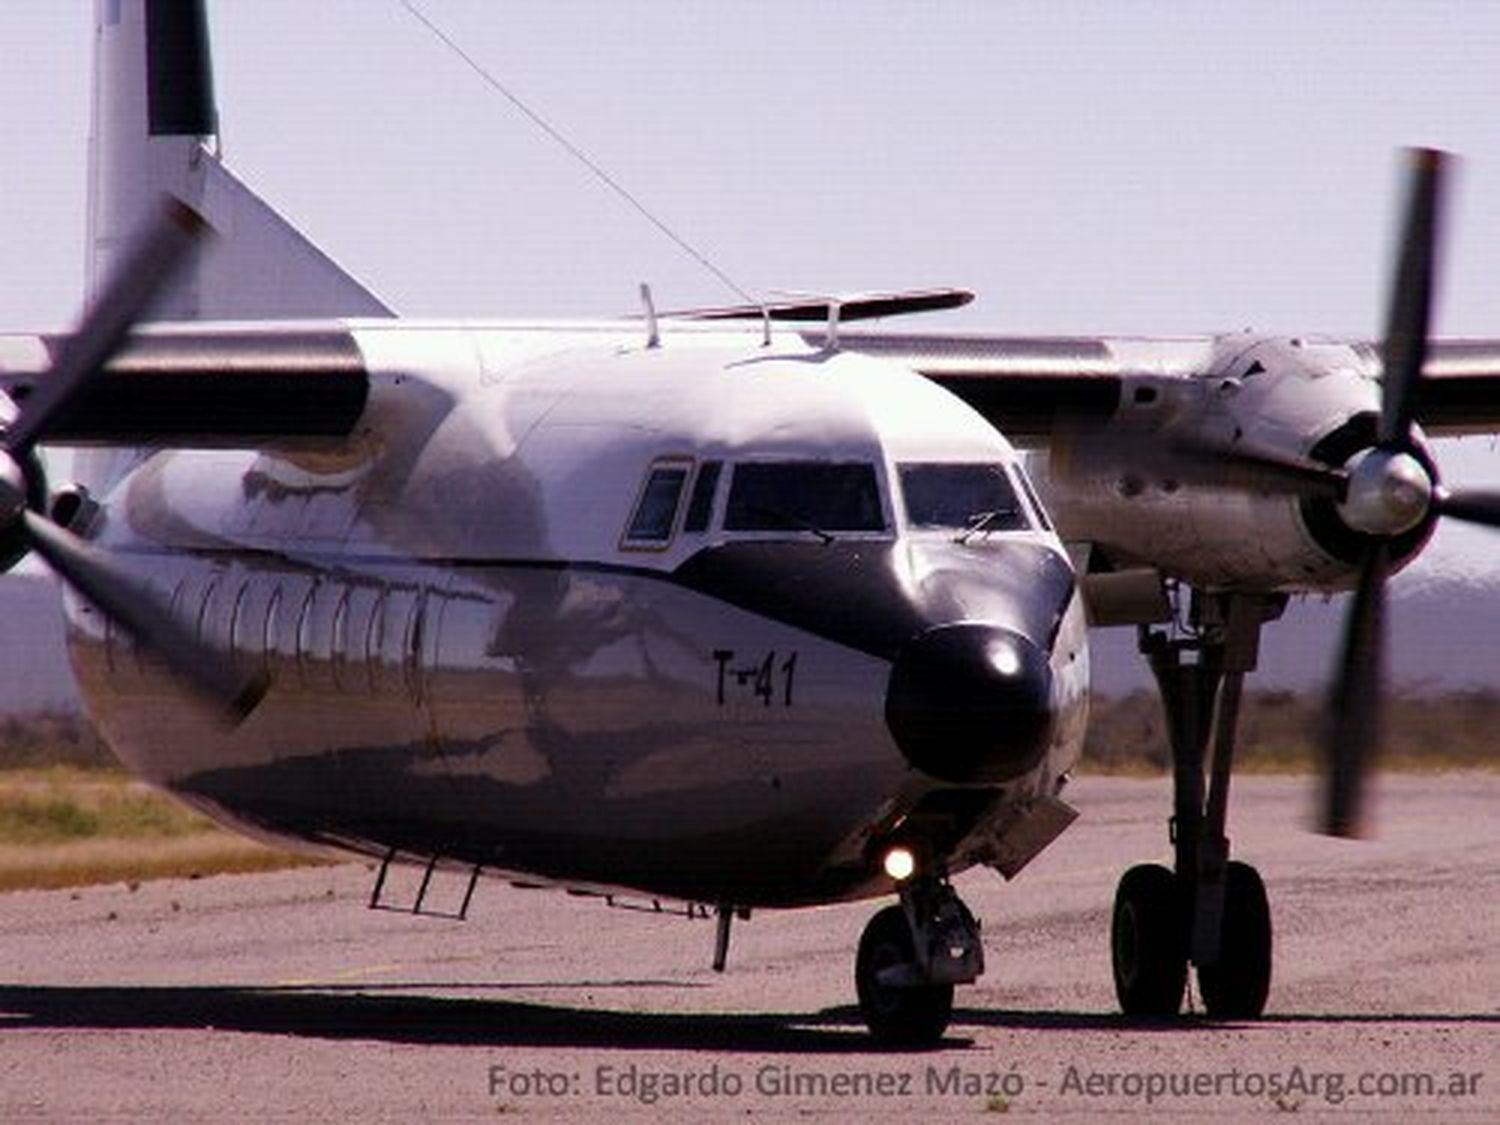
x=1280, y=731
x=62, y=826
x=47, y=866
x=62, y=804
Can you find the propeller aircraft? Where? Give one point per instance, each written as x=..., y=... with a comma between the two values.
x=738, y=608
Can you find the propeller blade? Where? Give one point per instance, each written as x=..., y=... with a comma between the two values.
x=1411, y=298
x=1470, y=505
x=89, y=571
x=1271, y=470
x=1356, y=711
x=151, y=262
x=1202, y=460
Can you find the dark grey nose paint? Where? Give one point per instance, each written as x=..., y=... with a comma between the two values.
x=971, y=703
x=968, y=629
x=877, y=596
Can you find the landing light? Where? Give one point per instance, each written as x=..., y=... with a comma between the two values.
x=900, y=864
x=1004, y=658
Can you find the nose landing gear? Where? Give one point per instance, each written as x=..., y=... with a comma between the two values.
x=1209, y=912
x=910, y=957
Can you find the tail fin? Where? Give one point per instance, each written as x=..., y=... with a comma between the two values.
x=154, y=130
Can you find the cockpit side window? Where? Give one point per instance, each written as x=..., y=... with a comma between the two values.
x=655, y=515
x=701, y=506
x=813, y=496
x=961, y=496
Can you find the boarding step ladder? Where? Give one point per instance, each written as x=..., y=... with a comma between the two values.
x=381, y=896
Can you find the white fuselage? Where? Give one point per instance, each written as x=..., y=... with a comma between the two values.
x=475, y=655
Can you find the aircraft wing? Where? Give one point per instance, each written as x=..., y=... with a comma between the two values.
x=1460, y=390
x=200, y=387
x=1031, y=387
x=285, y=384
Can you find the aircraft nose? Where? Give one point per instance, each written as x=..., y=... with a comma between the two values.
x=971, y=703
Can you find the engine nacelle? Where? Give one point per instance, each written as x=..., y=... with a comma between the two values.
x=1304, y=399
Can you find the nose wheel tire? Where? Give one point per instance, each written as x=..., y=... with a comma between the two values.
x=1235, y=987
x=904, y=1015
x=1147, y=943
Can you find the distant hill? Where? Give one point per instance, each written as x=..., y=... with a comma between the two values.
x=1444, y=634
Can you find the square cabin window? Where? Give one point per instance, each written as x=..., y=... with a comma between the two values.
x=655, y=514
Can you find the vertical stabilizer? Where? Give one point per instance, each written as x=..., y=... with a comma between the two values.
x=154, y=130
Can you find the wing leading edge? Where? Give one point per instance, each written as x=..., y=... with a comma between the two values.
x=207, y=388
x=215, y=387
x=1035, y=387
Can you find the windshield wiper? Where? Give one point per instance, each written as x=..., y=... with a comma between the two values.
x=791, y=519
x=981, y=521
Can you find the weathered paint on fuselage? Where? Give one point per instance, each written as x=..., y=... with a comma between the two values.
x=467, y=663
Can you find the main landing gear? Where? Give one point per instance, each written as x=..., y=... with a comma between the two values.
x=910, y=957
x=1209, y=911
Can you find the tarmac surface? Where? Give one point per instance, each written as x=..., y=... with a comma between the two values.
x=282, y=996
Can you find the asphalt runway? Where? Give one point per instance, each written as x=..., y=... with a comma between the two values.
x=283, y=997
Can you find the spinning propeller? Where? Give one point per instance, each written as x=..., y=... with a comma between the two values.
x=146, y=268
x=1389, y=491
x=1382, y=492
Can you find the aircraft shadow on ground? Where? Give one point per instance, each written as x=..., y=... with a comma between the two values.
x=1196, y=1022
x=390, y=1013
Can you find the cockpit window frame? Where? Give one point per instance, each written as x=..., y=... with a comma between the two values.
x=1039, y=511
x=702, y=498
x=878, y=475
x=668, y=463
x=1025, y=513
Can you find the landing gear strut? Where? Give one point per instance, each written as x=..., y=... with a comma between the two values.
x=1208, y=911
x=910, y=957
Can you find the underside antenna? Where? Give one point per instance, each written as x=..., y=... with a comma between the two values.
x=578, y=154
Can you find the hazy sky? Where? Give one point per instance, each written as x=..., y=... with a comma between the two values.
x=1085, y=167
x=1125, y=167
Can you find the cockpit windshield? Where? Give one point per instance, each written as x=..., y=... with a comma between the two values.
x=813, y=496
x=961, y=496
